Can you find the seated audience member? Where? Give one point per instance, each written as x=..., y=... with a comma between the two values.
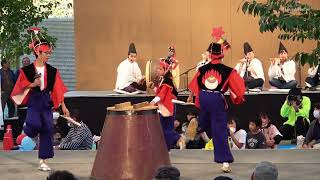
x=265, y=171
x=270, y=131
x=96, y=141
x=167, y=172
x=190, y=131
x=313, y=78
x=250, y=69
x=78, y=138
x=313, y=134
x=255, y=138
x=238, y=136
x=296, y=110
x=281, y=71
x=57, y=135
x=177, y=126
x=61, y=175
x=24, y=143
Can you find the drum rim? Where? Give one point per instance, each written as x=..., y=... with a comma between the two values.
x=133, y=112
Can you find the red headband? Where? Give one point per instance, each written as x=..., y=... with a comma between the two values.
x=42, y=48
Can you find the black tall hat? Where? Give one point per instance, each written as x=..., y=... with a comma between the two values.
x=215, y=48
x=282, y=48
x=132, y=48
x=247, y=48
x=216, y=51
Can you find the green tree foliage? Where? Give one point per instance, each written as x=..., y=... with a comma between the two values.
x=296, y=21
x=16, y=16
x=63, y=9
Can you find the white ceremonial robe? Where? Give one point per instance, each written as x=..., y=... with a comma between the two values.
x=289, y=69
x=128, y=72
x=255, y=65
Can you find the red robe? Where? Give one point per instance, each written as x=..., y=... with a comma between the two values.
x=166, y=92
x=21, y=92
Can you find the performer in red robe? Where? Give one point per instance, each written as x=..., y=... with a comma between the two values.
x=40, y=87
x=165, y=93
x=209, y=84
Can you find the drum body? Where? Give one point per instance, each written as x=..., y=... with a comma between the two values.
x=132, y=146
x=151, y=75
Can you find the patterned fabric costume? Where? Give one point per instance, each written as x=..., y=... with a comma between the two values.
x=209, y=84
x=40, y=100
x=165, y=93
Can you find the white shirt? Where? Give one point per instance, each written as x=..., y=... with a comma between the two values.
x=255, y=64
x=128, y=72
x=289, y=69
x=241, y=136
x=40, y=70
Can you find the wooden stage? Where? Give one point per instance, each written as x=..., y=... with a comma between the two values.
x=193, y=164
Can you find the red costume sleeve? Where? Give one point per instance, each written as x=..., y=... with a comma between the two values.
x=194, y=88
x=19, y=94
x=57, y=94
x=166, y=96
x=163, y=92
x=237, y=88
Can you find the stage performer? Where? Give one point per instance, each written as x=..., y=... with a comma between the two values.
x=165, y=93
x=129, y=76
x=40, y=87
x=250, y=69
x=208, y=85
x=282, y=70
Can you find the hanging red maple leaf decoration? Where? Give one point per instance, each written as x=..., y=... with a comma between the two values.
x=35, y=30
x=217, y=33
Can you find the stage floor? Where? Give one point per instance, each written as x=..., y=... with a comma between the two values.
x=193, y=164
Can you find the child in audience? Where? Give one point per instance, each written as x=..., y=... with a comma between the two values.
x=270, y=131
x=190, y=132
x=238, y=136
x=255, y=138
x=177, y=126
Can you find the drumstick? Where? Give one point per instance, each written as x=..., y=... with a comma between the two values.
x=175, y=101
x=69, y=119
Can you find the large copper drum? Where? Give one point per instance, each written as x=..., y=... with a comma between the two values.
x=132, y=145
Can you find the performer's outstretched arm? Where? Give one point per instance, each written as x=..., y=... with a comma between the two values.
x=237, y=88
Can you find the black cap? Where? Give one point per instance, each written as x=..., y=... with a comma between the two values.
x=282, y=48
x=193, y=111
x=295, y=92
x=215, y=48
x=132, y=49
x=247, y=48
x=167, y=172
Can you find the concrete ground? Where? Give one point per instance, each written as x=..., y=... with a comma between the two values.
x=193, y=164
